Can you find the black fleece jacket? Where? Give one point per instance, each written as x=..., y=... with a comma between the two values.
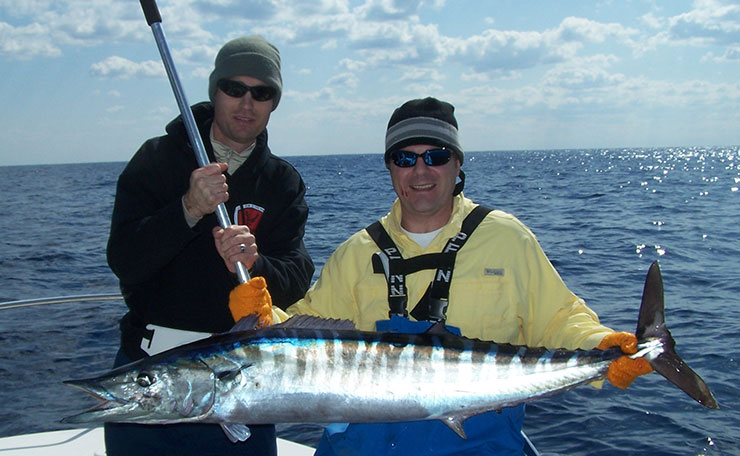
x=172, y=275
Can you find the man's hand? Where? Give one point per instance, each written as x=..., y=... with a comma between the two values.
x=624, y=370
x=207, y=189
x=236, y=244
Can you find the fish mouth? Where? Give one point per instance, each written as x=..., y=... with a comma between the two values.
x=109, y=408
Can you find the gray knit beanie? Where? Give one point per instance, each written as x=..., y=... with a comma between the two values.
x=251, y=56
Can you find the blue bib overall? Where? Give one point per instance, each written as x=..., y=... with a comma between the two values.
x=491, y=433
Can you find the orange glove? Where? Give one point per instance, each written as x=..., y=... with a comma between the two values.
x=252, y=298
x=624, y=370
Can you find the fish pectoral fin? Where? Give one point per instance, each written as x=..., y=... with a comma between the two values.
x=231, y=374
x=456, y=424
x=236, y=432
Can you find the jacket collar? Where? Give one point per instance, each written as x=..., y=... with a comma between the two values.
x=203, y=115
x=461, y=207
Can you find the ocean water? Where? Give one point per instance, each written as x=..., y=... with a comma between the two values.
x=602, y=216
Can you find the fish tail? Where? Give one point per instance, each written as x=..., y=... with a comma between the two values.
x=662, y=355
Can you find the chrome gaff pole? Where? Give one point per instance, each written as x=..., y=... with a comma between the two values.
x=151, y=12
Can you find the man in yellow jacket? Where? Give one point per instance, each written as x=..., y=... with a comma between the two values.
x=437, y=256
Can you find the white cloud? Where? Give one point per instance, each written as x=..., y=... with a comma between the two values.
x=415, y=75
x=256, y=10
x=198, y=54
x=305, y=31
x=392, y=44
x=351, y=62
x=317, y=7
x=651, y=20
x=15, y=8
x=68, y=23
x=347, y=79
x=581, y=29
x=497, y=51
x=80, y=22
x=26, y=42
x=267, y=13
x=202, y=73
x=712, y=20
x=732, y=53
x=353, y=65
x=119, y=67
x=583, y=74
x=502, y=51
x=384, y=10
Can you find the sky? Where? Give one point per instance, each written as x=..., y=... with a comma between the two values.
x=83, y=81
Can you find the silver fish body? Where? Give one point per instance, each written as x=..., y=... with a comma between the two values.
x=347, y=376
x=314, y=370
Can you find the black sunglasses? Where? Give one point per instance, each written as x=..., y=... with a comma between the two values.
x=432, y=157
x=238, y=89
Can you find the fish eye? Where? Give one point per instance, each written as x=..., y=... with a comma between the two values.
x=145, y=380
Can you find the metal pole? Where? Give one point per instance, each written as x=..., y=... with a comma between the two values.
x=151, y=12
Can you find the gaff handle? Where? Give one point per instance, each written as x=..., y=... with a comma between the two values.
x=151, y=12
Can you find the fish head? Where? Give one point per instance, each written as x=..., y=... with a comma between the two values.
x=147, y=391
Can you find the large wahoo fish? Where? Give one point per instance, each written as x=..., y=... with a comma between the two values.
x=322, y=371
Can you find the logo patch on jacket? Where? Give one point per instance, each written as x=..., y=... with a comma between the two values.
x=248, y=214
x=493, y=272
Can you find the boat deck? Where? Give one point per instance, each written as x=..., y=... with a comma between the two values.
x=89, y=442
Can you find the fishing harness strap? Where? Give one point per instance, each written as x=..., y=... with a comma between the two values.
x=433, y=304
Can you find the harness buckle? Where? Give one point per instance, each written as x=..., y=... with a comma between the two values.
x=397, y=305
x=437, y=309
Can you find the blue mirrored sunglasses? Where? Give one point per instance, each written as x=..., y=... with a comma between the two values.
x=431, y=157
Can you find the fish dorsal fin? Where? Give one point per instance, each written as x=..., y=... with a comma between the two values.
x=311, y=322
x=236, y=432
x=250, y=323
x=247, y=323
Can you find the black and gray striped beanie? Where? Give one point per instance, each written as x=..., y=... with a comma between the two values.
x=423, y=121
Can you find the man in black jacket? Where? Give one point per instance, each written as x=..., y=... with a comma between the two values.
x=174, y=261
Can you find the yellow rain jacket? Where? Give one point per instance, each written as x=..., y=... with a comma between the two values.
x=503, y=288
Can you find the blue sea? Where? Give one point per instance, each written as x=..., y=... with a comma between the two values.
x=601, y=215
